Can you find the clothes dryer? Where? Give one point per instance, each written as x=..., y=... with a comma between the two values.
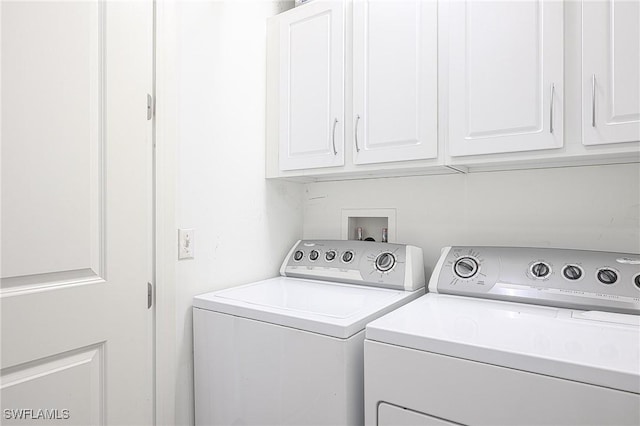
x=511, y=336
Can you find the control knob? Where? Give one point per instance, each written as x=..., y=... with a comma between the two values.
x=330, y=255
x=636, y=281
x=298, y=255
x=313, y=255
x=465, y=267
x=572, y=272
x=607, y=276
x=385, y=261
x=347, y=256
x=540, y=270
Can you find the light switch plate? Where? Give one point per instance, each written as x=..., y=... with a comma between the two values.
x=186, y=243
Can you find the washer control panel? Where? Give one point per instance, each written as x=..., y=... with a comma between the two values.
x=357, y=262
x=577, y=279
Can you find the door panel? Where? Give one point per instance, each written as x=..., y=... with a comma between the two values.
x=395, y=80
x=611, y=66
x=62, y=180
x=49, y=383
x=312, y=86
x=76, y=211
x=506, y=74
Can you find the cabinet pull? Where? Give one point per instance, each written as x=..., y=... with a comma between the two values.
x=551, y=109
x=333, y=137
x=356, y=133
x=593, y=100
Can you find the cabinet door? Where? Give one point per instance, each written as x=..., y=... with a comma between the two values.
x=395, y=80
x=312, y=86
x=505, y=76
x=610, y=71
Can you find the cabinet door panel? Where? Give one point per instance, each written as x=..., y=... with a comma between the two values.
x=611, y=71
x=395, y=80
x=506, y=66
x=312, y=86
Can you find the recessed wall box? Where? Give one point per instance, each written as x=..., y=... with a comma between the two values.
x=371, y=221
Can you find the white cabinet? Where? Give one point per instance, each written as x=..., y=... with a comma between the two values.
x=383, y=120
x=395, y=80
x=505, y=76
x=311, y=86
x=610, y=71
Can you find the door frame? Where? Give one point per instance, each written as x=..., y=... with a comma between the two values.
x=165, y=173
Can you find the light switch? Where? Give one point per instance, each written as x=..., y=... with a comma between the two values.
x=185, y=243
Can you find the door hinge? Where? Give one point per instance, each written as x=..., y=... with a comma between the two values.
x=150, y=107
x=149, y=295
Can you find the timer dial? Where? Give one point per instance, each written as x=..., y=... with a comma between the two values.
x=465, y=267
x=607, y=276
x=298, y=255
x=385, y=261
x=540, y=270
x=572, y=272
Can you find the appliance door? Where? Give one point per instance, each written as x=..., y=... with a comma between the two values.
x=392, y=415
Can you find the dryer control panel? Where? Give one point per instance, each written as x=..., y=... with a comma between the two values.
x=397, y=266
x=577, y=279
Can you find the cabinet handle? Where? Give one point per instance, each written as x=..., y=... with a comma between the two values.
x=356, y=133
x=593, y=100
x=333, y=137
x=551, y=109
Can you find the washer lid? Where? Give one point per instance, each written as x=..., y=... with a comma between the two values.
x=339, y=310
x=586, y=346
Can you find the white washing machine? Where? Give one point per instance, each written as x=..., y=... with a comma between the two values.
x=289, y=350
x=511, y=336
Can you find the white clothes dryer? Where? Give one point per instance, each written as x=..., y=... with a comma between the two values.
x=289, y=350
x=511, y=336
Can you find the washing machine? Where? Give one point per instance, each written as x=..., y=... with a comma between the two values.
x=511, y=336
x=289, y=350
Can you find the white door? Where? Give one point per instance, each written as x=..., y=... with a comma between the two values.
x=505, y=76
x=76, y=213
x=610, y=71
x=312, y=86
x=395, y=80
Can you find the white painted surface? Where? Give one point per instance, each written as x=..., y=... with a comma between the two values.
x=312, y=86
x=47, y=170
x=593, y=208
x=504, y=58
x=76, y=210
x=611, y=49
x=245, y=225
x=395, y=80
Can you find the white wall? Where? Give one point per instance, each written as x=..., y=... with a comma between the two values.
x=593, y=208
x=243, y=224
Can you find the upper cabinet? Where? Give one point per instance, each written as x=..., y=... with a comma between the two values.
x=505, y=76
x=375, y=88
x=610, y=72
x=395, y=81
x=311, y=89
